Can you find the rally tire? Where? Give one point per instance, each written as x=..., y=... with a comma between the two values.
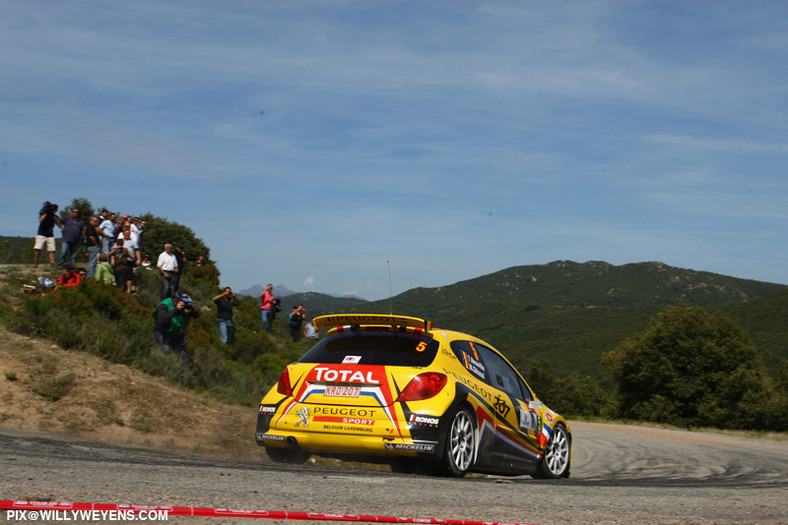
x=293, y=456
x=460, y=451
x=556, y=458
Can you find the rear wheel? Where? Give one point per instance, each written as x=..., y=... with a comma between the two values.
x=458, y=455
x=294, y=456
x=555, y=461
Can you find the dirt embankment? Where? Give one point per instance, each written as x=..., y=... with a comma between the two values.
x=101, y=400
x=46, y=388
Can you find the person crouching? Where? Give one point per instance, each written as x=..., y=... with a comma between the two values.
x=172, y=317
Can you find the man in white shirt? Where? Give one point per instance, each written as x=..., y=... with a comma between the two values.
x=137, y=226
x=167, y=265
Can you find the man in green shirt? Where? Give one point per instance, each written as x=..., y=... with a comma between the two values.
x=173, y=316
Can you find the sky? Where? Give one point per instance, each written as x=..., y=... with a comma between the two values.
x=370, y=147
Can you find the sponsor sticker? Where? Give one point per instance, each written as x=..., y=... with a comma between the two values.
x=324, y=374
x=352, y=359
x=267, y=409
x=413, y=447
x=344, y=420
x=424, y=420
x=262, y=436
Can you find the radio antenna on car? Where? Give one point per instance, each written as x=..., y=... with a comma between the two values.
x=391, y=309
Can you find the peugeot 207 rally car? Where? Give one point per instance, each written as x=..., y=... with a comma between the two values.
x=394, y=389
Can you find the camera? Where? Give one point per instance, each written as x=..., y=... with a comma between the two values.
x=47, y=207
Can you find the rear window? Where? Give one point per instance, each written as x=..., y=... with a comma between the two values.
x=374, y=348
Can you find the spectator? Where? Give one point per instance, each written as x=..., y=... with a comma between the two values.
x=137, y=227
x=73, y=230
x=309, y=330
x=225, y=302
x=122, y=258
x=146, y=262
x=47, y=218
x=83, y=274
x=173, y=316
x=180, y=257
x=296, y=318
x=93, y=245
x=67, y=277
x=107, y=231
x=266, y=302
x=167, y=265
x=131, y=246
x=104, y=272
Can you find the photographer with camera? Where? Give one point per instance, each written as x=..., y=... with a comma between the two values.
x=225, y=302
x=172, y=317
x=47, y=218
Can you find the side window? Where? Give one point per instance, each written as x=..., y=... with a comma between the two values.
x=528, y=396
x=501, y=375
x=468, y=354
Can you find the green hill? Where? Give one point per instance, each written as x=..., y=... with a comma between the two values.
x=319, y=304
x=567, y=314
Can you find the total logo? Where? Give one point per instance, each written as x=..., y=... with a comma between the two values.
x=343, y=376
x=424, y=420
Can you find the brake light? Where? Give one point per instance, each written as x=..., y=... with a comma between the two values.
x=284, y=387
x=423, y=386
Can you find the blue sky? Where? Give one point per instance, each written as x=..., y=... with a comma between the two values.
x=315, y=144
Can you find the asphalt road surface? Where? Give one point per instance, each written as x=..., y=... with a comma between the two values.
x=620, y=474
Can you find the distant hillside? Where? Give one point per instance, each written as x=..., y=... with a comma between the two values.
x=257, y=289
x=320, y=304
x=567, y=313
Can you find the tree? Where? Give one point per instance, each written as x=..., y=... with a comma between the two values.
x=691, y=368
x=84, y=206
x=571, y=394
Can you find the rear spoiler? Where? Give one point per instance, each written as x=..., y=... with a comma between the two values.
x=371, y=319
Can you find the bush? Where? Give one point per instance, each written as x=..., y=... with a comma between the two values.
x=692, y=368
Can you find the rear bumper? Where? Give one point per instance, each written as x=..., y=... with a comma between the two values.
x=363, y=432
x=346, y=444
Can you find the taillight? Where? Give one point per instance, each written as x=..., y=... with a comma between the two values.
x=423, y=386
x=284, y=387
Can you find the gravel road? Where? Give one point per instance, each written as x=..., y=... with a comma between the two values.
x=621, y=474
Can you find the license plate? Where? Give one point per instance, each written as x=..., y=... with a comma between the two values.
x=343, y=391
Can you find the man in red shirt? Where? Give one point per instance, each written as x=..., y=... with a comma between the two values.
x=67, y=277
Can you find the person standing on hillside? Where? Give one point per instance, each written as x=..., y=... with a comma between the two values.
x=225, y=302
x=123, y=258
x=92, y=245
x=172, y=317
x=47, y=219
x=73, y=230
x=180, y=258
x=296, y=319
x=167, y=265
x=266, y=303
x=107, y=232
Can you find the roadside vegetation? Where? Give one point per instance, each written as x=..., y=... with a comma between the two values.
x=689, y=367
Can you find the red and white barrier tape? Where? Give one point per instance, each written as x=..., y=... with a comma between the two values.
x=65, y=506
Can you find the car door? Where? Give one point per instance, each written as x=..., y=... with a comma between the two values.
x=517, y=426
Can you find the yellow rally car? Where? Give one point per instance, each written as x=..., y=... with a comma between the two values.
x=393, y=389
